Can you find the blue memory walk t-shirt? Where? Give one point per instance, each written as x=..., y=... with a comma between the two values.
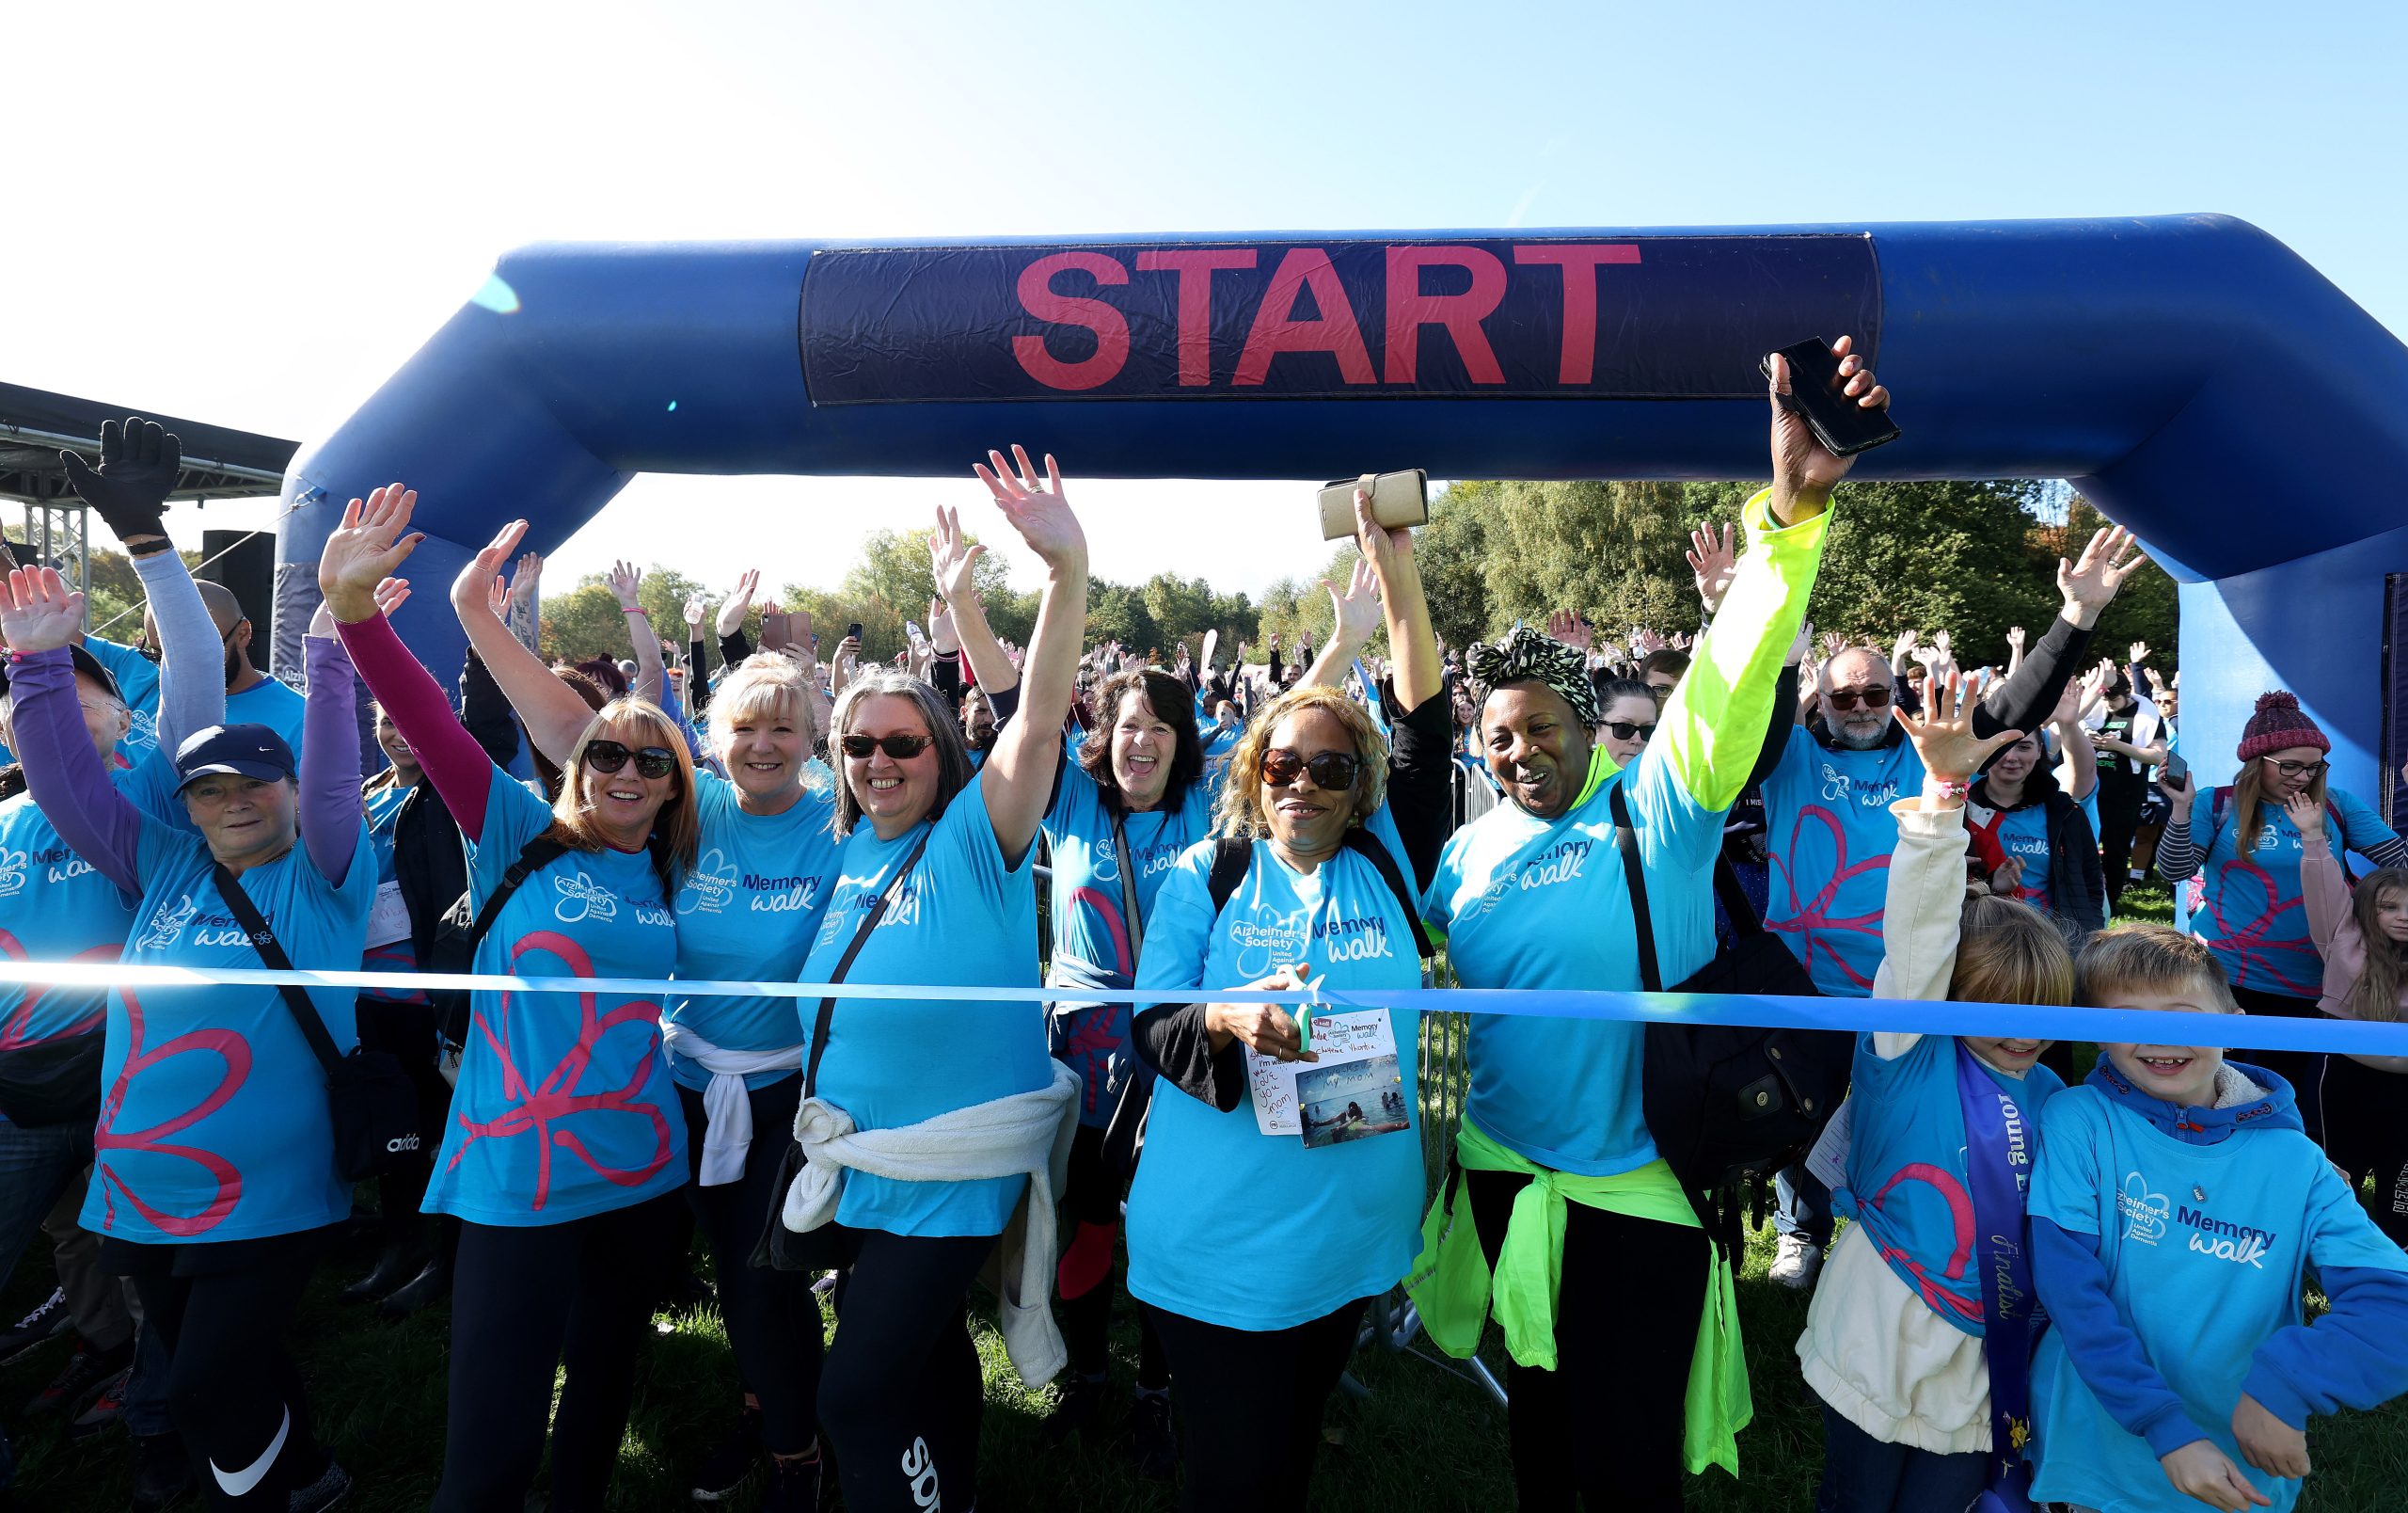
x=2252, y=913
x=2022, y=832
x=1829, y=836
x=2204, y=1247
x=1908, y=1181
x=564, y=1106
x=1535, y=903
x=963, y=917
x=213, y=1117
x=1252, y=1231
x=1090, y=926
x=54, y=907
x=747, y=910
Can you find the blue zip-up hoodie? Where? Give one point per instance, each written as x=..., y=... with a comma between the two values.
x=2168, y=1246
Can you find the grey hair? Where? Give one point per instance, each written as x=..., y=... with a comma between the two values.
x=954, y=771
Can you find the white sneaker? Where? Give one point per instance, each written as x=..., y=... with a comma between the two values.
x=1796, y=1263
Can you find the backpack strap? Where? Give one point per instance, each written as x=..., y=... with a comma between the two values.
x=1371, y=849
x=1650, y=976
x=1231, y=856
x=305, y=1013
x=533, y=857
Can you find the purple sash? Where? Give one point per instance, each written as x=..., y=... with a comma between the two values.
x=1998, y=1160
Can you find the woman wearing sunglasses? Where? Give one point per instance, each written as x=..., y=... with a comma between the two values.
x=564, y=1156
x=1256, y=1238
x=2248, y=910
x=955, y=1102
x=747, y=909
x=1627, y=718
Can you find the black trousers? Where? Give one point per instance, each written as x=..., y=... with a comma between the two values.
x=1604, y=1428
x=901, y=1393
x=233, y=1393
x=772, y=1317
x=2120, y=801
x=406, y=1031
x=2365, y=1131
x=1250, y=1406
x=528, y=1300
x=1093, y=1197
x=2303, y=1070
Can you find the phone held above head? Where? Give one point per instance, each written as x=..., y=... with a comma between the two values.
x=1817, y=396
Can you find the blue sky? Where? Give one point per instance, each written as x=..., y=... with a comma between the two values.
x=261, y=211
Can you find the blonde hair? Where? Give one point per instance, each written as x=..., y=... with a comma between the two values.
x=2249, y=793
x=2376, y=994
x=1241, y=812
x=2132, y=959
x=676, y=831
x=2009, y=952
x=764, y=685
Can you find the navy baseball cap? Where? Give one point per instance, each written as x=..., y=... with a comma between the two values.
x=242, y=750
x=85, y=662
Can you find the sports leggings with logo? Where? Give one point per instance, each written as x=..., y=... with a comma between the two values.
x=901, y=1392
x=526, y=1302
x=232, y=1392
x=1626, y=1325
x=772, y=1316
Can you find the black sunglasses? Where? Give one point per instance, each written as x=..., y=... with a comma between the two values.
x=1623, y=730
x=610, y=756
x=1844, y=699
x=902, y=748
x=1333, y=770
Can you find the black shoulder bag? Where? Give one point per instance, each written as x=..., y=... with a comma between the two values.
x=781, y=1249
x=375, y=1107
x=1727, y=1103
x=461, y=931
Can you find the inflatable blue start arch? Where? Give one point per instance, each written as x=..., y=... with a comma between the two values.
x=2191, y=375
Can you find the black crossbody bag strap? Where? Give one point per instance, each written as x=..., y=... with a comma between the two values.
x=1632, y=874
x=305, y=1013
x=844, y=964
x=1128, y=893
x=533, y=857
x=1373, y=851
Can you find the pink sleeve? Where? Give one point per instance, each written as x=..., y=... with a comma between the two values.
x=458, y=767
x=2326, y=894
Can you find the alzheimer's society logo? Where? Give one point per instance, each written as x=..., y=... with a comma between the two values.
x=2144, y=1211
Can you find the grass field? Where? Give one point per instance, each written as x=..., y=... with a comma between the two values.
x=1423, y=1439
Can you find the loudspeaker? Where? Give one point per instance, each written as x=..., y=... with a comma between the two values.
x=243, y=561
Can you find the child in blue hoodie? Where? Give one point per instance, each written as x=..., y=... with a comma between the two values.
x=2174, y=1210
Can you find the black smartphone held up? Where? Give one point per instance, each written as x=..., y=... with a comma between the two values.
x=1842, y=426
x=854, y=630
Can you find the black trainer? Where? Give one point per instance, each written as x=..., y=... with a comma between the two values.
x=36, y=1328
x=429, y=1286
x=85, y=1370
x=332, y=1486
x=162, y=1476
x=395, y=1267
x=732, y=1461
x=107, y=1407
x=794, y=1486
x=1082, y=1399
x=1157, y=1447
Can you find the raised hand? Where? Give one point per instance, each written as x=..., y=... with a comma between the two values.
x=40, y=613
x=1036, y=509
x=375, y=539
x=1355, y=607
x=2305, y=814
x=1804, y=473
x=941, y=632
x=1944, y=738
x=1715, y=561
x=739, y=599
x=1570, y=628
x=1645, y=643
x=140, y=463
x=2138, y=652
x=2014, y=638
x=696, y=607
x=479, y=581
x=623, y=579
x=952, y=558
x=1802, y=646
x=1384, y=547
x=2089, y=582
x=1833, y=643
x=526, y=582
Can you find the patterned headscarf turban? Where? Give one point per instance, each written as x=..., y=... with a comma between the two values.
x=1528, y=656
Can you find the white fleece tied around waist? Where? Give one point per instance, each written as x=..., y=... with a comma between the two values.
x=727, y=1103
x=1027, y=1134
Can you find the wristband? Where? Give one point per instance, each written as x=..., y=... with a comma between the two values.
x=1949, y=788
x=635, y=609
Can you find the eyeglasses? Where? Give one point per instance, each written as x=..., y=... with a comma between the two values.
x=610, y=756
x=1623, y=730
x=902, y=748
x=1844, y=699
x=1333, y=770
x=2297, y=769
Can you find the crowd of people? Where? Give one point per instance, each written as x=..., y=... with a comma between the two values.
x=1541, y=808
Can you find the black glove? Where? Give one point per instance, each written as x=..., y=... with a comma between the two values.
x=140, y=462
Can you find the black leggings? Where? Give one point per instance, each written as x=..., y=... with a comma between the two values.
x=1251, y=1405
x=2303, y=1070
x=901, y=1392
x=2120, y=803
x=1626, y=1325
x=1094, y=1199
x=2365, y=1129
x=231, y=1389
x=772, y=1317
x=528, y=1300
